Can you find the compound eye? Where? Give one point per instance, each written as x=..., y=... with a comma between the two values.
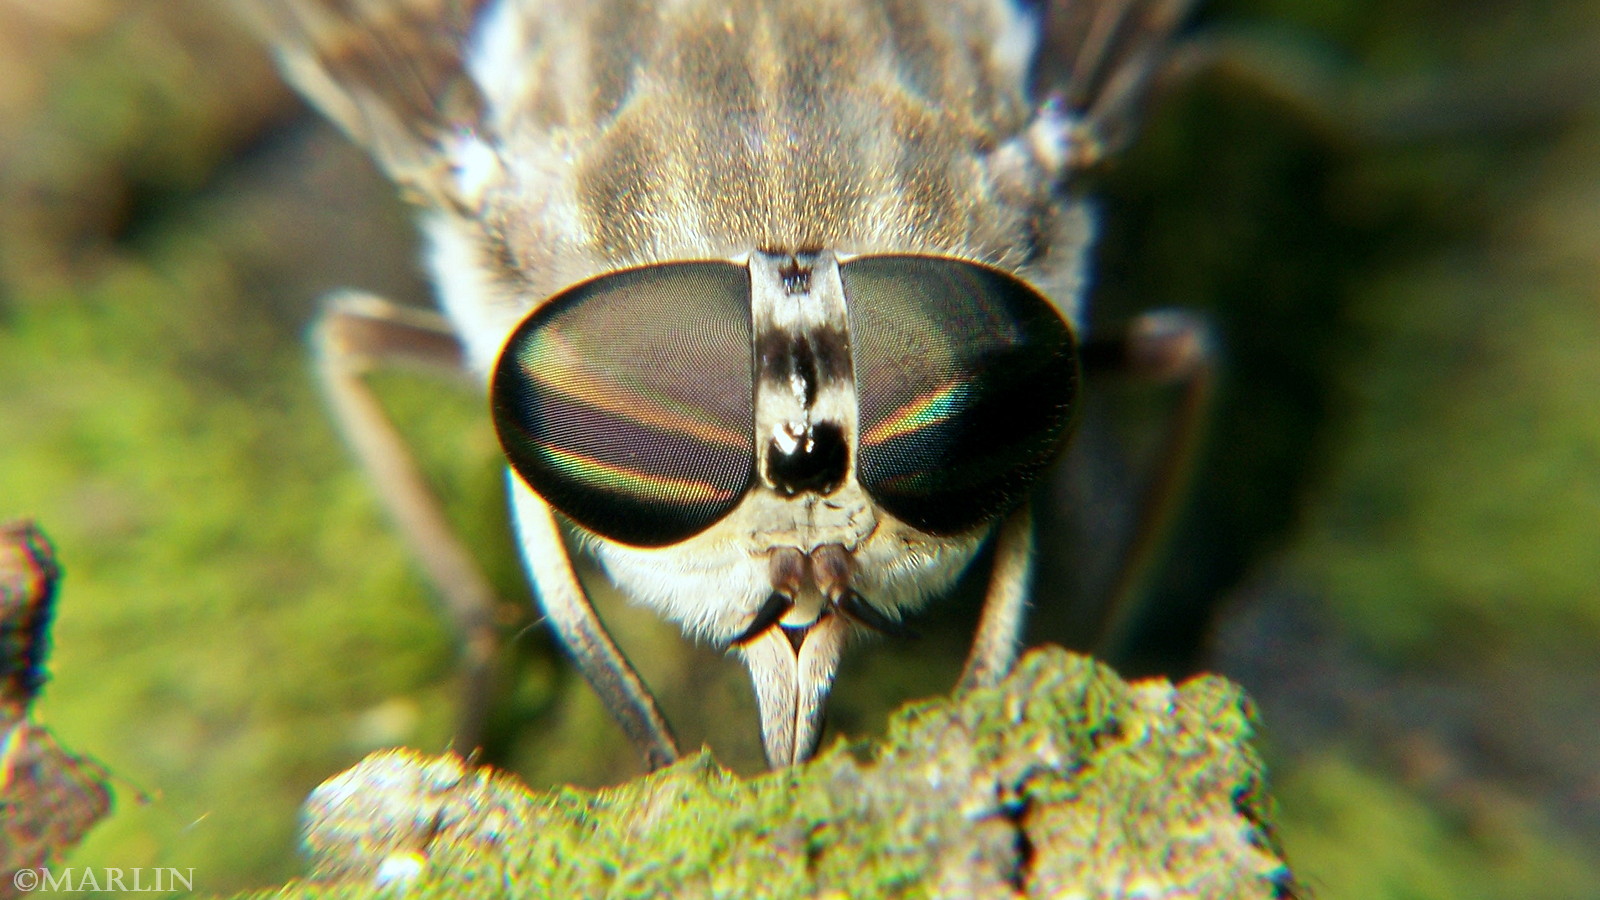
x=628, y=401
x=966, y=378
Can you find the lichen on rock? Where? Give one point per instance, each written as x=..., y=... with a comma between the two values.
x=1063, y=781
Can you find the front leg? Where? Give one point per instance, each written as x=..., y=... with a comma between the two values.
x=355, y=334
x=580, y=631
x=1162, y=347
x=1005, y=604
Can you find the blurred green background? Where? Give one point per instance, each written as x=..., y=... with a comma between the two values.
x=1392, y=210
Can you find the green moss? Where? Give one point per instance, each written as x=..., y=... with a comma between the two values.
x=1462, y=521
x=1353, y=833
x=1062, y=779
x=193, y=520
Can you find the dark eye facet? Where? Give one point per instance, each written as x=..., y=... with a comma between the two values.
x=967, y=378
x=627, y=401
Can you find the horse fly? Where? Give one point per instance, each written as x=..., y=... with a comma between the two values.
x=776, y=303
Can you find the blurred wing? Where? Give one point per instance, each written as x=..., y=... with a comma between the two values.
x=1100, y=58
x=389, y=72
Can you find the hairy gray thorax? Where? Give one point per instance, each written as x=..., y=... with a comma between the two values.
x=689, y=132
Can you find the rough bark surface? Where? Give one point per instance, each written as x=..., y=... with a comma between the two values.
x=1064, y=781
x=49, y=797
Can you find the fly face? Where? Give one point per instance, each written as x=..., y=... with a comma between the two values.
x=792, y=438
x=716, y=426
x=775, y=302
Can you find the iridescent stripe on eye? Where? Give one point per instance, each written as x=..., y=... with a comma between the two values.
x=614, y=455
x=640, y=484
x=925, y=411
x=562, y=369
x=627, y=401
x=966, y=378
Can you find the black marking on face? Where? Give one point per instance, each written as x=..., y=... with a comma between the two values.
x=797, y=364
x=816, y=461
x=796, y=277
x=830, y=348
x=856, y=608
x=773, y=609
x=772, y=356
x=824, y=358
x=805, y=372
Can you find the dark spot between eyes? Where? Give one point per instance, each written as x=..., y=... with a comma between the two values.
x=816, y=463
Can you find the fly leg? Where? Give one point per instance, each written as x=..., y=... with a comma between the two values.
x=354, y=334
x=1162, y=347
x=580, y=631
x=1005, y=605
